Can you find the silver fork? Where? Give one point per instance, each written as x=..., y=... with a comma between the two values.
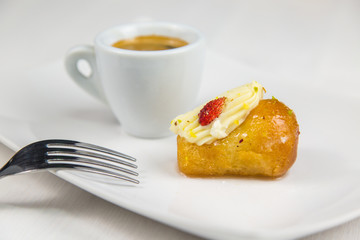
x=67, y=154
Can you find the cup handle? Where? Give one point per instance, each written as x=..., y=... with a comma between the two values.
x=91, y=84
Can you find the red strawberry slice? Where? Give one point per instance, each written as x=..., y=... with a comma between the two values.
x=211, y=111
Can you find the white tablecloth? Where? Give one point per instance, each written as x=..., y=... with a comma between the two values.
x=317, y=42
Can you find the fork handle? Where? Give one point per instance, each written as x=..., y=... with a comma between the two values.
x=8, y=170
x=91, y=83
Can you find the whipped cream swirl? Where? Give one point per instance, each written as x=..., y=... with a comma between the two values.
x=239, y=103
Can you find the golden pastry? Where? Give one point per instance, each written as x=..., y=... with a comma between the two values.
x=237, y=133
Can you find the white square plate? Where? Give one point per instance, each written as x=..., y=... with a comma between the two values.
x=319, y=191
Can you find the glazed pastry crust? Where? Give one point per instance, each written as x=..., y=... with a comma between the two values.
x=265, y=144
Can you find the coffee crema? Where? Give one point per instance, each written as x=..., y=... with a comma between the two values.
x=150, y=43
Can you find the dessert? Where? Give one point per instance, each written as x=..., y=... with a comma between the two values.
x=237, y=133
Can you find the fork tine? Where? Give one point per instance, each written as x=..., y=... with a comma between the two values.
x=89, y=155
x=92, y=169
x=80, y=145
x=84, y=160
x=90, y=158
x=110, y=175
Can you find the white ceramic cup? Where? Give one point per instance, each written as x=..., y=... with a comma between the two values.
x=144, y=89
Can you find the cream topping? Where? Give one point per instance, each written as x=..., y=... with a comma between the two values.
x=239, y=103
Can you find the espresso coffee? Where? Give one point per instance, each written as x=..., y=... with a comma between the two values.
x=150, y=43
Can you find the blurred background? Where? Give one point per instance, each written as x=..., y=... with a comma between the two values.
x=307, y=41
x=316, y=43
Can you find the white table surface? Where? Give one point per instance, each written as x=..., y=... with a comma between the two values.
x=317, y=42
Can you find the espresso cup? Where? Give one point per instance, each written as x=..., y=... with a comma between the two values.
x=144, y=89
